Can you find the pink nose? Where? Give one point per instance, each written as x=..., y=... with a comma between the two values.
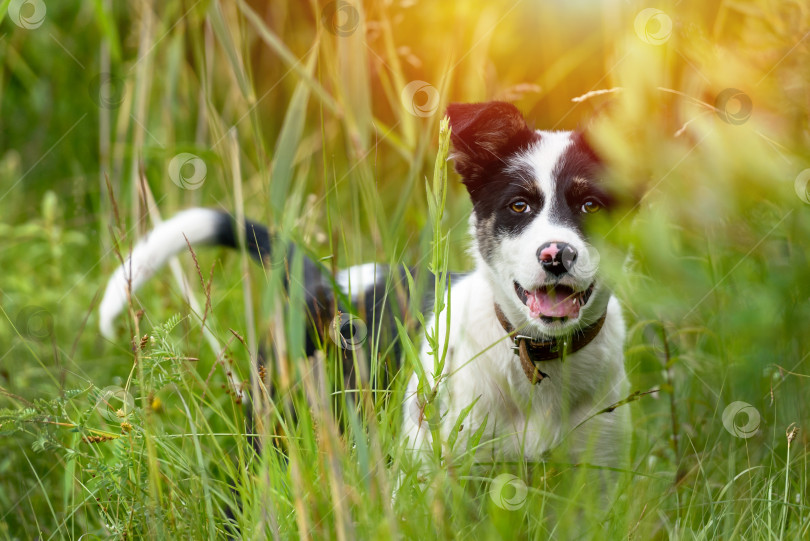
x=556, y=257
x=548, y=252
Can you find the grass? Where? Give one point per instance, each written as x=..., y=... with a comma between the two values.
x=298, y=115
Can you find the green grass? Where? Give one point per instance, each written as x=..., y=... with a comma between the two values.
x=303, y=127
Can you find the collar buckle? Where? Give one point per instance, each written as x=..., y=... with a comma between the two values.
x=546, y=350
x=517, y=339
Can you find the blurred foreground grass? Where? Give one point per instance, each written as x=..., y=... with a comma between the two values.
x=305, y=117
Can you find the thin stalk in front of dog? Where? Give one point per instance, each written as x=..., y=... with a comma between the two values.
x=438, y=265
x=636, y=395
x=790, y=434
x=436, y=195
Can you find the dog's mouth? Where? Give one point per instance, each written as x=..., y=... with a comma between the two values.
x=554, y=301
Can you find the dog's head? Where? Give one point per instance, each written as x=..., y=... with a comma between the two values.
x=533, y=193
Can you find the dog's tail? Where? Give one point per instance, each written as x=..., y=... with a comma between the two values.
x=199, y=226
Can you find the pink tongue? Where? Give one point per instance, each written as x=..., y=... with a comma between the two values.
x=542, y=303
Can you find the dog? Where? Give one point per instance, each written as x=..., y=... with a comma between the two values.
x=534, y=341
x=533, y=346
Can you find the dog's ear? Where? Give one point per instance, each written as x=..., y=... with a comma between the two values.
x=485, y=133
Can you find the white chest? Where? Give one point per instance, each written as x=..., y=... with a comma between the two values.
x=523, y=421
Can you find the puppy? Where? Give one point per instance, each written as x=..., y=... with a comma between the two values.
x=534, y=339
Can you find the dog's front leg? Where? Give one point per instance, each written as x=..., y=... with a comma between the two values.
x=601, y=446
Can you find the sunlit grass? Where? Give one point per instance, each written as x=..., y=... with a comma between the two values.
x=301, y=123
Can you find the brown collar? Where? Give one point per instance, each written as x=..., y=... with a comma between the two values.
x=533, y=351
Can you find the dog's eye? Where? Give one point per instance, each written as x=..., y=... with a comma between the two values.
x=519, y=206
x=590, y=206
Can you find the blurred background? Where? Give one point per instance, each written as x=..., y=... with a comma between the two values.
x=321, y=120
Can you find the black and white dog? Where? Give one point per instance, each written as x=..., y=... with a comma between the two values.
x=534, y=338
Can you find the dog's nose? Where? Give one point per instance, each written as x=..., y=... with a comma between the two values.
x=556, y=257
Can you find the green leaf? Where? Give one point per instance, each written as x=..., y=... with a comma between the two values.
x=281, y=170
x=475, y=439
x=451, y=439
